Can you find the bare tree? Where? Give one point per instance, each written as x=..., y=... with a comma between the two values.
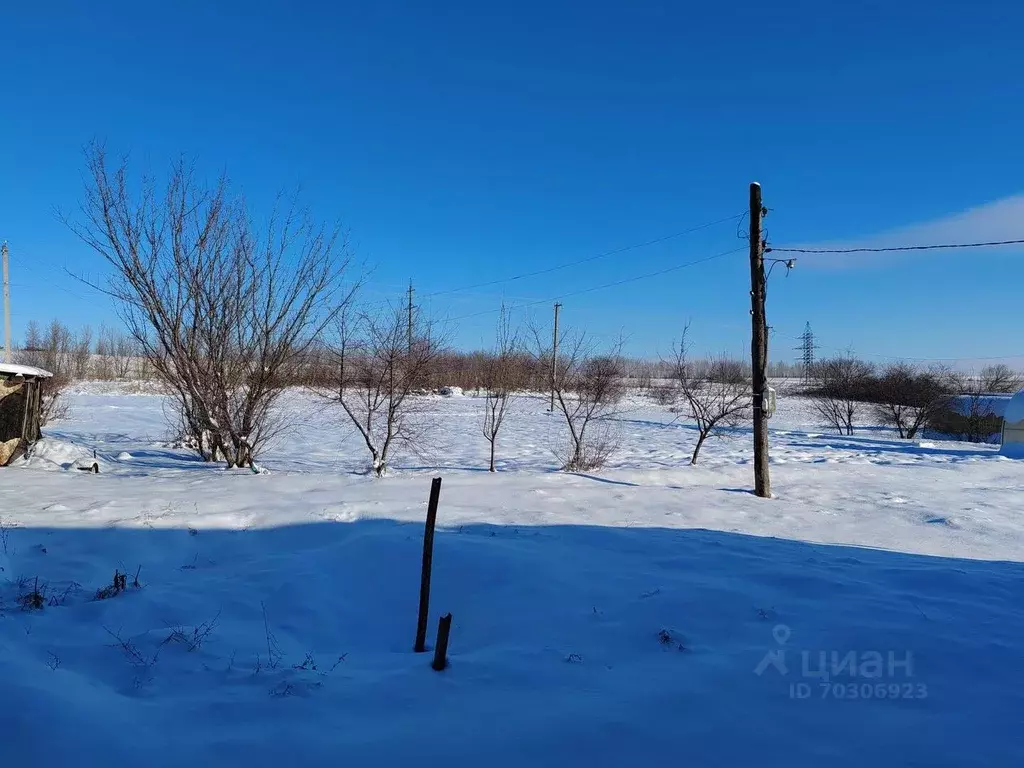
x=218, y=306
x=716, y=394
x=123, y=352
x=33, y=337
x=377, y=372
x=81, y=352
x=52, y=351
x=839, y=392
x=1000, y=378
x=499, y=381
x=641, y=373
x=103, y=368
x=115, y=353
x=588, y=387
x=58, y=344
x=907, y=398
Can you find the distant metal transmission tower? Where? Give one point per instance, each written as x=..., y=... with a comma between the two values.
x=807, y=348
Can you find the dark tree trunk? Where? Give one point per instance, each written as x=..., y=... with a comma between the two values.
x=696, y=449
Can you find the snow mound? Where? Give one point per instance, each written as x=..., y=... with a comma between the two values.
x=124, y=456
x=51, y=454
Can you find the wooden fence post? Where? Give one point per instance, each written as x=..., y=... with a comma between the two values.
x=428, y=554
x=444, y=627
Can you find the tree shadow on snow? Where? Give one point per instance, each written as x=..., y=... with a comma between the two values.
x=878, y=447
x=607, y=480
x=721, y=431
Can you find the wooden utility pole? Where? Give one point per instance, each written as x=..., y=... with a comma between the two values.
x=554, y=356
x=444, y=628
x=758, y=345
x=7, y=305
x=428, y=559
x=410, y=317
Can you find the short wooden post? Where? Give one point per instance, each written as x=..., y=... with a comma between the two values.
x=444, y=627
x=428, y=554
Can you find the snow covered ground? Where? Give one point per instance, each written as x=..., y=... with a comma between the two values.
x=651, y=611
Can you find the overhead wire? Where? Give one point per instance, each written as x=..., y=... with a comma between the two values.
x=613, y=284
x=994, y=243
x=854, y=352
x=588, y=259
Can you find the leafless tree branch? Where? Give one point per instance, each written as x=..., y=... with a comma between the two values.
x=219, y=307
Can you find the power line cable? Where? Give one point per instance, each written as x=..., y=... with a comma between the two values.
x=854, y=352
x=894, y=248
x=614, y=284
x=588, y=259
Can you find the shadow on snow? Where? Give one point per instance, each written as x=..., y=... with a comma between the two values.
x=525, y=600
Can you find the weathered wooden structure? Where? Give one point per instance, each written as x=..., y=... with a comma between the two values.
x=20, y=402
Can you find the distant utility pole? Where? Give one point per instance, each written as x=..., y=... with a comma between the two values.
x=554, y=356
x=410, y=316
x=758, y=344
x=7, y=305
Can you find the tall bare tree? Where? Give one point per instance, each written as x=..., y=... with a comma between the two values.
x=378, y=371
x=839, y=390
x=219, y=306
x=55, y=351
x=589, y=385
x=716, y=394
x=81, y=353
x=499, y=379
x=1000, y=378
x=33, y=337
x=115, y=353
x=907, y=398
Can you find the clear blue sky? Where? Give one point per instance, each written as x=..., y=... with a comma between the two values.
x=464, y=141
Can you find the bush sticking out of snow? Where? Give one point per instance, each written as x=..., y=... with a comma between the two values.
x=35, y=598
x=451, y=392
x=119, y=585
x=194, y=638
